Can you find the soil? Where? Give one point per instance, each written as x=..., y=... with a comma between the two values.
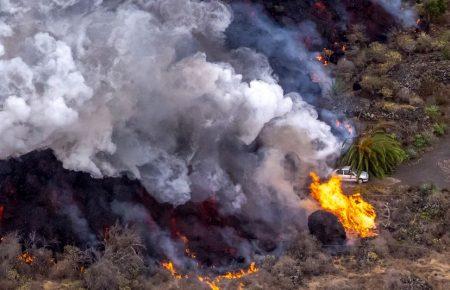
x=432, y=167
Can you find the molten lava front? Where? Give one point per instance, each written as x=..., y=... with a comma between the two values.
x=212, y=282
x=356, y=215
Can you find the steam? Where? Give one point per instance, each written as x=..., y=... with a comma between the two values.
x=138, y=88
x=404, y=13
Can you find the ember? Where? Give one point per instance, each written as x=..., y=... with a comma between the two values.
x=322, y=59
x=26, y=257
x=356, y=215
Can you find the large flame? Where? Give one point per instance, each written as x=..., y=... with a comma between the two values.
x=213, y=283
x=356, y=215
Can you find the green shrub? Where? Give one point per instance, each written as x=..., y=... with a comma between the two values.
x=421, y=141
x=439, y=129
x=433, y=112
x=446, y=52
x=435, y=8
x=377, y=153
x=411, y=153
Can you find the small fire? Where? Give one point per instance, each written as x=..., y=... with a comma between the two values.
x=345, y=125
x=213, y=283
x=356, y=215
x=322, y=59
x=26, y=257
x=325, y=56
x=171, y=268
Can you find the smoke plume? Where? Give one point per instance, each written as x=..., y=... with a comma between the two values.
x=138, y=88
x=403, y=12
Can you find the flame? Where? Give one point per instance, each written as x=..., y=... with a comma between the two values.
x=213, y=283
x=26, y=258
x=356, y=215
x=170, y=267
x=322, y=59
x=345, y=125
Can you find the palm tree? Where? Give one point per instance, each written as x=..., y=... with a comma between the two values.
x=377, y=153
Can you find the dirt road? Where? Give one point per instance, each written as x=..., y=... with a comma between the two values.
x=432, y=167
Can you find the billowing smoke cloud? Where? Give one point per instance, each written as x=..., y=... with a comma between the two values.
x=403, y=12
x=138, y=88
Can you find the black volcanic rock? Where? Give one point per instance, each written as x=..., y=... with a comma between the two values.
x=326, y=228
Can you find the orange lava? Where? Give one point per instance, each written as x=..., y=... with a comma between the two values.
x=213, y=283
x=356, y=215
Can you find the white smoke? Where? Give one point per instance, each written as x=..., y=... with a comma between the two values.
x=137, y=88
x=406, y=14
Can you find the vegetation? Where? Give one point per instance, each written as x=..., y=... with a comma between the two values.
x=421, y=141
x=433, y=112
x=439, y=129
x=435, y=8
x=378, y=154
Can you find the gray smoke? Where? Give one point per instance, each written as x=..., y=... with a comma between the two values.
x=150, y=90
x=406, y=14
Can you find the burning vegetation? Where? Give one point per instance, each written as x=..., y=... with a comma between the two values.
x=355, y=214
x=213, y=283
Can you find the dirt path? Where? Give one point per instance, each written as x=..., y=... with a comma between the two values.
x=433, y=166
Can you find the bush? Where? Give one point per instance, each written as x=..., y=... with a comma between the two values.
x=433, y=112
x=435, y=8
x=121, y=263
x=9, y=250
x=374, y=84
x=421, y=141
x=71, y=263
x=439, y=129
x=424, y=43
x=446, y=51
x=428, y=86
x=405, y=43
x=377, y=153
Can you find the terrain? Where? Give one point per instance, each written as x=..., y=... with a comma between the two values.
x=386, y=77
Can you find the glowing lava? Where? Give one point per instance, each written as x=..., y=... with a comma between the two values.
x=356, y=215
x=213, y=283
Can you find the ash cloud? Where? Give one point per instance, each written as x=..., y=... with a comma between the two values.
x=139, y=88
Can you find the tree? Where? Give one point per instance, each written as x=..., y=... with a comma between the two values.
x=435, y=8
x=377, y=153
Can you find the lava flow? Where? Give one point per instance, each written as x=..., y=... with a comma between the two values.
x=356, y=215
x=212, y=283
